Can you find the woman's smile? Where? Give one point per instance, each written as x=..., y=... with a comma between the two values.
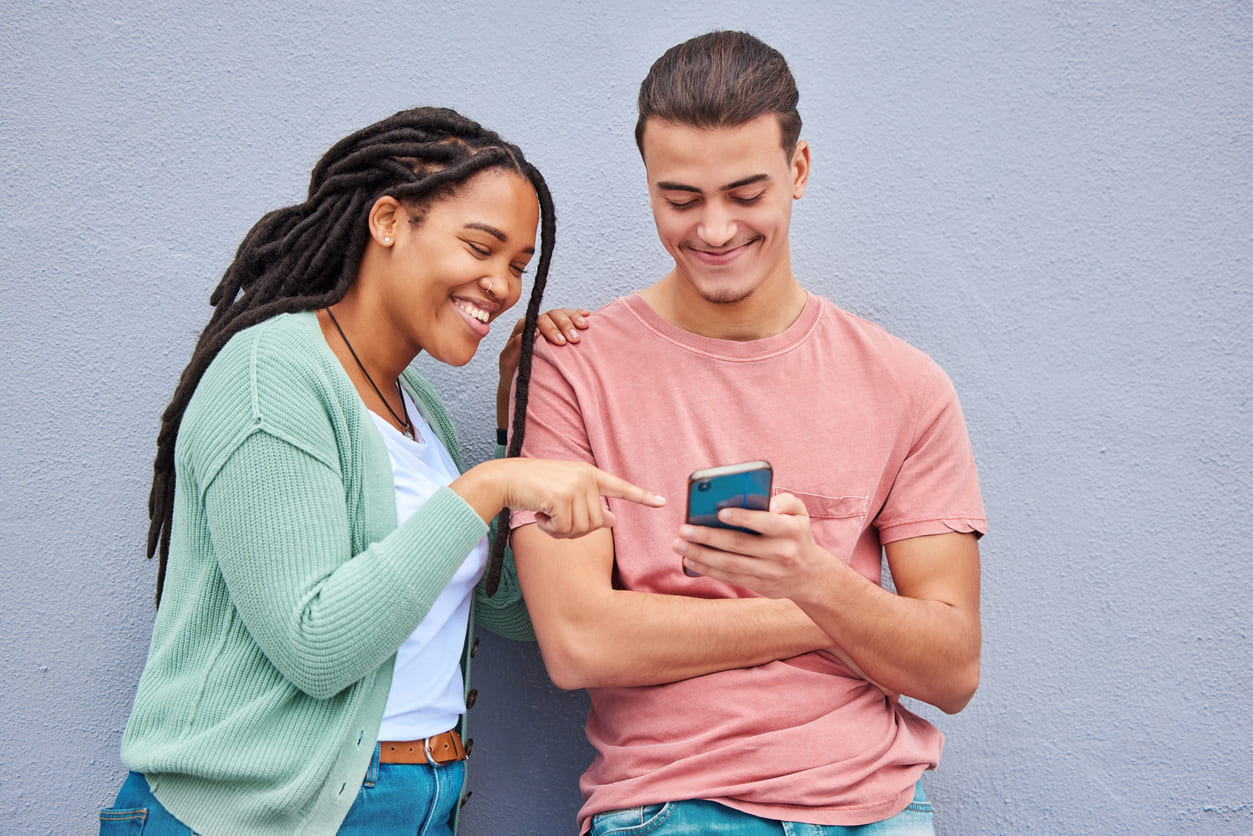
x=477, y=314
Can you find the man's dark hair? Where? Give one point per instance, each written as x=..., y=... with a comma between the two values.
x=720, y=79
x=305, y=257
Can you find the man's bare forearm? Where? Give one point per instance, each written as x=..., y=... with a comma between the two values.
x=592, y=635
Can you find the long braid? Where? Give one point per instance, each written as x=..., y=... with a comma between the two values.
x=306, y=257
x=517, y=432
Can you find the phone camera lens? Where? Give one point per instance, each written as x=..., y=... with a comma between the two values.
x=703, y=486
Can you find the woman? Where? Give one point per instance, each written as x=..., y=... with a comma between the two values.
x=313, y=529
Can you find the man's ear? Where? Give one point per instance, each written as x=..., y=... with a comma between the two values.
x=800, y=169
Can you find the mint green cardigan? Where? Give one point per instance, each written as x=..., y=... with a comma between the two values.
x=289, y=589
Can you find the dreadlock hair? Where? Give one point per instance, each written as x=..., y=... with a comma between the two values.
x=306, y=257
x=720, y=79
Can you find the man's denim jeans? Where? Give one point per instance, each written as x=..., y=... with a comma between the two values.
x=694, y=818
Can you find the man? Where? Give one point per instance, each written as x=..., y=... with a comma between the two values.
x=764, y=691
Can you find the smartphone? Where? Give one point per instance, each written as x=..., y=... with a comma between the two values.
x=745, y=485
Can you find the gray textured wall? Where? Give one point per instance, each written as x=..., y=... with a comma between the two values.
x=1052, y=198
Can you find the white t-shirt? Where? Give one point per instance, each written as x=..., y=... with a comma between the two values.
x=427, y=693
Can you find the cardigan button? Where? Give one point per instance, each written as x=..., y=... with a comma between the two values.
x=474, y=649
x=472, y=698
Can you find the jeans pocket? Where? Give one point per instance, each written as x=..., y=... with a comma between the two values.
x=115, y=822
x=630, y=821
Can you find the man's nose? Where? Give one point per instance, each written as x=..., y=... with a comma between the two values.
x=717, y=226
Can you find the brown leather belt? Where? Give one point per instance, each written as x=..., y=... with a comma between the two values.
x=436, y=750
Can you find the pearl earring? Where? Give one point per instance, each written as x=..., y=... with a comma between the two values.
x=387, y=240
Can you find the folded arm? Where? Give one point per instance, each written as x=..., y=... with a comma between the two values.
x=593, y=635
x=324, y=616
x=922, y=641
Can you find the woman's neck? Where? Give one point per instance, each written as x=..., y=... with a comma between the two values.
x=359, y=343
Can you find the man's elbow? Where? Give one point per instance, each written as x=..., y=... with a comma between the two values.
x=566, y=679
x=961, y=689
x=575, y=659
x=568, y=666
x=957, y=686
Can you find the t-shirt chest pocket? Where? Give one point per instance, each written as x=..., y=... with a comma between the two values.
x=837, y=521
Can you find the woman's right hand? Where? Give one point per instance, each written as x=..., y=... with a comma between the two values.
x=566, y=496
x=559, y=326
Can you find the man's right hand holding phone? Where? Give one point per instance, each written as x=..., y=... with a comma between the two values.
x=781, y=560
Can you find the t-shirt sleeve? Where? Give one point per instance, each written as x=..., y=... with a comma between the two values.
x=554, y=419
x=936, y=489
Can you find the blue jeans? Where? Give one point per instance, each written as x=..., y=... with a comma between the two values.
x=692, y=818
x=394, y=799
x=136, y=811
x=406, y=799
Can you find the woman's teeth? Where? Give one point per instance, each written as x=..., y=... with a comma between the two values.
x=476, y=312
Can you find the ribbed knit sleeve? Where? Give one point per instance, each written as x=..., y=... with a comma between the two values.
x=504, y=613
x=323, y=616
x=300, y=506
x=288, y=591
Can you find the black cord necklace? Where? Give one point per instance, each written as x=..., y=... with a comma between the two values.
x=402, y=421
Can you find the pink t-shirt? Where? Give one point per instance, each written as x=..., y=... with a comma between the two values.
x=867, y=431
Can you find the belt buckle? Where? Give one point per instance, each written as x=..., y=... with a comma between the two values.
x=430, y=755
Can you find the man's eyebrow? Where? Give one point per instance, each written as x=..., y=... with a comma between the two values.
x=667, y=186
x=747, y=181
x=676, y=187
x=495, y=233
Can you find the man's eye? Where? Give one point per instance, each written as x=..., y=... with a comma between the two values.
x=687, y=204
x=748, y=201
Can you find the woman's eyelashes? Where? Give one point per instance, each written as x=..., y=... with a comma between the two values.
x=484, y=252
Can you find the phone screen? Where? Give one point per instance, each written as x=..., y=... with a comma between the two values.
x=710, y=490
x=744, y=485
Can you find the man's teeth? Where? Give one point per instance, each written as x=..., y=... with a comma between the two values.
x=478, y=313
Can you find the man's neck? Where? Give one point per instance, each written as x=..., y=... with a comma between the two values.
x=768, y=311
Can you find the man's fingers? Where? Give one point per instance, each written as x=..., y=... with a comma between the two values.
x=786, y=503
x=777, y=522
x=729, y=567
x=722, y=539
